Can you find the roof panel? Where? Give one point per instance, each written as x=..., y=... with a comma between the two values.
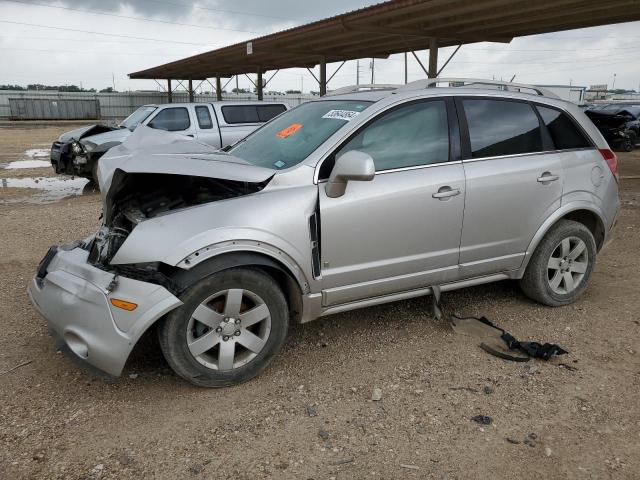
x=395, y=27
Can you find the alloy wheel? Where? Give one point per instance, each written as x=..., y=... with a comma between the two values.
x=228, y=329
x=567, y=265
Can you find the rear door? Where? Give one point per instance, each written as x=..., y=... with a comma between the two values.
x=514, y=182
x=207, y=130
x=400, y=231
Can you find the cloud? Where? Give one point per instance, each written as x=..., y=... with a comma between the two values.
x=46, y=55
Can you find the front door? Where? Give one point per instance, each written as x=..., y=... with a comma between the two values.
x=400, y=231
x=513, y=186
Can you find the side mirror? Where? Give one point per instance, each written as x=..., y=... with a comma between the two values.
x=352, y=166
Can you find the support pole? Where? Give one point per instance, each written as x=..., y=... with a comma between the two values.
x=259, y=85
x=323, y=77
x=218, y=89
x=169, y=91
x=433, y=58
x=406, y=71
x=190, y=91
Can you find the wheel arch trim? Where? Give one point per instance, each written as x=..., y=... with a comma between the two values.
x=558, y=215
x=239, y=253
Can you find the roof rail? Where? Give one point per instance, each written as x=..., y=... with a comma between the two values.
x=361, y=87
x=469, y=82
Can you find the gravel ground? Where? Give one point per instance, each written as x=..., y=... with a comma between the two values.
x=310, y=415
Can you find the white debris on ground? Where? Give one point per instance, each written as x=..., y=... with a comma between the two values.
x=28, y=164
x=37, y=153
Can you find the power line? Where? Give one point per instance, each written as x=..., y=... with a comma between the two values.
x=144, y=19
x=200, y=44
x=235, y=12
x=68, y=39
x=91, y=53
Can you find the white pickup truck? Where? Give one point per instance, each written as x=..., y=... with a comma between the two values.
x=218, y=124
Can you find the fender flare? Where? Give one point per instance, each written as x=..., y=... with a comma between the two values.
x=215, y=258
x=559, y=214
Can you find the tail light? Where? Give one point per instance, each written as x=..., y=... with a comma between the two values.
x=612, y=161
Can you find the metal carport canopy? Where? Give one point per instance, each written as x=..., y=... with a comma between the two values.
x=395, y=27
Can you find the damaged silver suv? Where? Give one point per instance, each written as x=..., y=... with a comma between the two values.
x=352, y=200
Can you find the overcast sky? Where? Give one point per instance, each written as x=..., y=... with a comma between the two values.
x=97, y=42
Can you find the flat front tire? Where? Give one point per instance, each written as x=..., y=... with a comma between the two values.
x=560, y=268
x=228, y=330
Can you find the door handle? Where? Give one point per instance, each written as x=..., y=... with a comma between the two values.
x=547, y=177
x=446, y=192
x=190, y=135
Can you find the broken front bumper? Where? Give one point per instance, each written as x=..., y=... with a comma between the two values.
x=75, y=299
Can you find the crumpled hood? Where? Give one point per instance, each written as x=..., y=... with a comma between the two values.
x=148, y=150
x=119, y=135
x=83, y=132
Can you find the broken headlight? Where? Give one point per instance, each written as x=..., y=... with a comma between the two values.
x=77, y=148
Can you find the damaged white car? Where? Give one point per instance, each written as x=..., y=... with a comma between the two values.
x=343, y=202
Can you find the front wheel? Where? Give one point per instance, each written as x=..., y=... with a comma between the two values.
x=229, y=328
x=561, y=266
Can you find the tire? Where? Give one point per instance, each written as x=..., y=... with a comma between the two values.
x=183, y=336
x=546, y=277
x=94, y=174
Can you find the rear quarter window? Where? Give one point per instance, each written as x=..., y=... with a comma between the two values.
x=564, y=132
x=267, y=112
x=501, y=127
x=240, y=114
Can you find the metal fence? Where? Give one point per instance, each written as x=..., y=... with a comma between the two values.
x=116, y=106
x=54, y=109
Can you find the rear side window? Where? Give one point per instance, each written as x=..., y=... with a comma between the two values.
x=240, y=114
x=204, y=118
x=411, y=135
x=267, y=112
x=171, y=120
x=501, y=127
x=563, y=131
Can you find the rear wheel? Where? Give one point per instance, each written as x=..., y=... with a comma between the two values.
x=228, y=329
x=561, y=266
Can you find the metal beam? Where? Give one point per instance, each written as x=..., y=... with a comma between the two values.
x=271, y=77
x=323, y=77
x=419, y=62
x=218, y=89
x=260, y=86
x=336, y=71
x=448, y=60
x=169, y=91
x=433, y=58
x=313, y=75
x=190, y=91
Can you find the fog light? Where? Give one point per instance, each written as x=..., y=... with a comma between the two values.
x=123, y=304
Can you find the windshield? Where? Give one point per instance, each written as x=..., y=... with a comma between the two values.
x=293, y=136
x=137, y=117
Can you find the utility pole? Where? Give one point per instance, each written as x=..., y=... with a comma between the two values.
x=614, y=82
x=357, y=72
x=113, y=80
x=237, y=85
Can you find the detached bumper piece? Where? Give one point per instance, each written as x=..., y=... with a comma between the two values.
x=75, y=299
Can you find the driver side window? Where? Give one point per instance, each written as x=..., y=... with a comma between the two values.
x=407, y=136
x=172, y=119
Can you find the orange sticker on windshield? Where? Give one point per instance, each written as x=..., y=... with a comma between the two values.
x=290, y=130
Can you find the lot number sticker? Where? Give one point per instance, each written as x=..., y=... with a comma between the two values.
x=290, y=130
x=341, y=114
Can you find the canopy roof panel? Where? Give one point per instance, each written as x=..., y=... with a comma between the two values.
x=394, y=27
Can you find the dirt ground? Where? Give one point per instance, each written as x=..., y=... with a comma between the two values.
x=57, y=421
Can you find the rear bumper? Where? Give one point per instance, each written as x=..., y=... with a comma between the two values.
x=74, y=297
